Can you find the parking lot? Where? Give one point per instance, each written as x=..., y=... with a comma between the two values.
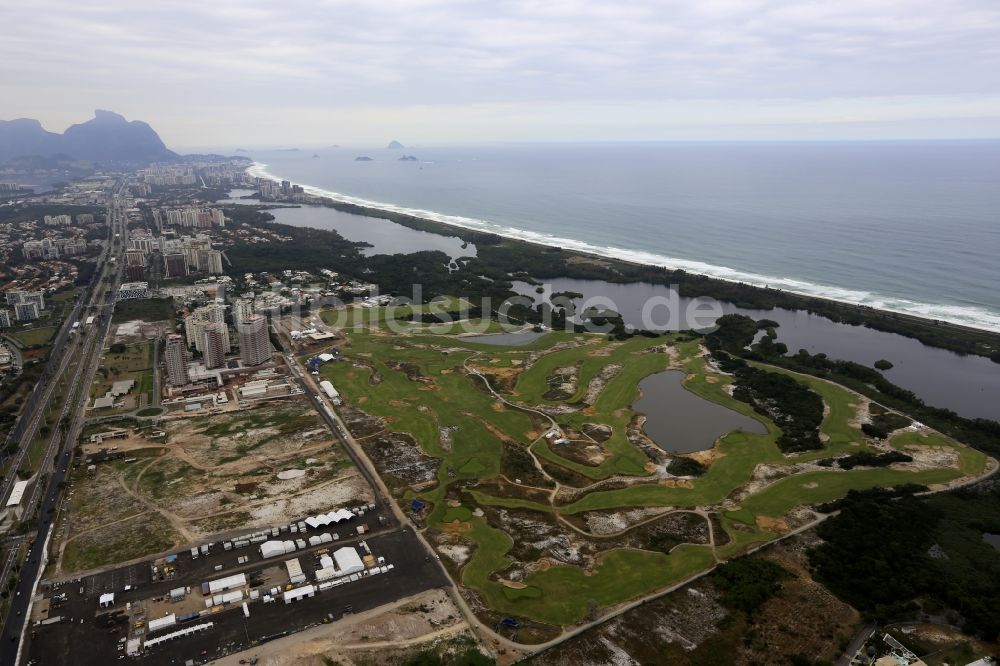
x=84, y=632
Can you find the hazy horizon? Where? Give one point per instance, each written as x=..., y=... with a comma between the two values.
x=448, y=72
x=250, y=148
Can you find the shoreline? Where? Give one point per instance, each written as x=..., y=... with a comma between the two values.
x=982, y=341
x=987, y=321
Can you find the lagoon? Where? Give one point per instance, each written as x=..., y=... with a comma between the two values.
x=679, y=421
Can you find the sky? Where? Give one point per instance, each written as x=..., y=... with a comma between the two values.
x=319, y=72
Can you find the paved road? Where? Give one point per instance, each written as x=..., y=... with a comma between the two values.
x=92, y=345
x=856, y=643
x=40, y=394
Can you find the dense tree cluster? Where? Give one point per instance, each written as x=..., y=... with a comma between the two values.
x=981, y=433
x=684, y=466
x=748, y=582
x=891, y=557
x=795, y=408
x=867, y=459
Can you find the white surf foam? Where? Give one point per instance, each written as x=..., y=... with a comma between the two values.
x=975, y=317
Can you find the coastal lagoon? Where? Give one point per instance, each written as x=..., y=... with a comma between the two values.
x=678, y=421
x=968, y=385
x=384, y=236
x=909, y=226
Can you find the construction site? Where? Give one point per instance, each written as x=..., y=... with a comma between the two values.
x=225, y=596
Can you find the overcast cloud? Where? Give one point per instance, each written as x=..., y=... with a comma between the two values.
x=218, y=72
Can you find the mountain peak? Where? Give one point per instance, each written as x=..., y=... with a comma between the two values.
x=101, y=115
x=395, y=145
x=107, y=137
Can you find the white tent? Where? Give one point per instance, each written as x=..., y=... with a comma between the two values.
x=299, y=593
x=348, y=560
x=227, y=583
x=162, y=622
x=272, y=549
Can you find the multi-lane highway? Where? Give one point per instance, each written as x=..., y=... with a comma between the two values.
x=79, y=356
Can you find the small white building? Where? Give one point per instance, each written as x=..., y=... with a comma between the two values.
x=223, y=584
x=106, y=600
x=295, y=575
x=162, y=622
x=133, y=290
x=300, y=593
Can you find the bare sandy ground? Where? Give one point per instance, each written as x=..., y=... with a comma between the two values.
x=408, y=622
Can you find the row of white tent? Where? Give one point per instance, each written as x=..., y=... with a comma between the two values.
x=324, y=519
x=276, y=548
x=150, y=642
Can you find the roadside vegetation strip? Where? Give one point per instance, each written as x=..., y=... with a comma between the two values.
x=34, y=336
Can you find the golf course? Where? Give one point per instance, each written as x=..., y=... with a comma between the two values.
x=529, y=470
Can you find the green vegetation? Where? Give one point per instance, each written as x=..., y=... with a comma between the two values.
x=34, y=337
x=432, y=388
x=890, y=559
x=981, y=433
x=749, y=582
x=147, y=309
x=685, y=467
x=885, y=420
x=794, y=407
x=868, y=459
x=123, y=541
x=126, y=362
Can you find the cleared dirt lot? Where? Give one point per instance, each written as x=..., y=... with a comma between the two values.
x=251, y=468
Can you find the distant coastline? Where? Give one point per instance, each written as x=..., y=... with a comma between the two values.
x=988, y=328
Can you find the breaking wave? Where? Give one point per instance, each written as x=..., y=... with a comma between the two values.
x=971, y=316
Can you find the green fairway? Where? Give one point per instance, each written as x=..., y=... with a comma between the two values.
x=420, y=381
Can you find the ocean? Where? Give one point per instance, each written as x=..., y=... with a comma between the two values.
x=905, y=226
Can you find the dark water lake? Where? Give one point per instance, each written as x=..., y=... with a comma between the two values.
x=681, y=422
x=385, y=236
x=992, y=539
x=968, y=385
x=516, y=338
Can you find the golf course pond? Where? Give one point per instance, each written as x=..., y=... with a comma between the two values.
x=678, y=421
x=505, y=339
